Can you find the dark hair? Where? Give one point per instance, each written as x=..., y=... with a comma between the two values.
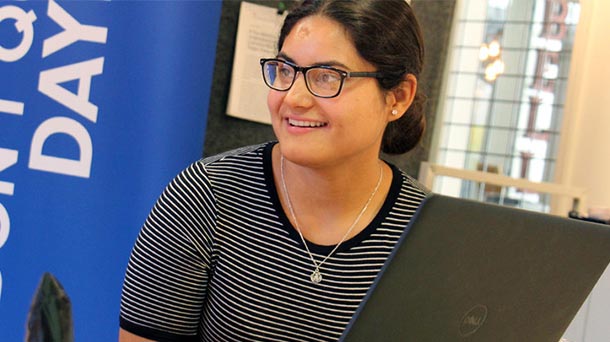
x=387, y=35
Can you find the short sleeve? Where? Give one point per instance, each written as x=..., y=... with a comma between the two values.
x=166, y=279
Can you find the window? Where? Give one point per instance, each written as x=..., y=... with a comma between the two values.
x=505, y=93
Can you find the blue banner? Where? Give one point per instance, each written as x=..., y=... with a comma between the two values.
x=101, y=104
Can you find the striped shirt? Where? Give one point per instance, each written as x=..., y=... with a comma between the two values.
x=218, y=260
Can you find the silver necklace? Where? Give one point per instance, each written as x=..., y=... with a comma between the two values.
x=316, y=275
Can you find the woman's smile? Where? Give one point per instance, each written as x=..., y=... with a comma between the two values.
x=306, y=123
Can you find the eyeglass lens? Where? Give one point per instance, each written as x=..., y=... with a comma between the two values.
x=319, y=80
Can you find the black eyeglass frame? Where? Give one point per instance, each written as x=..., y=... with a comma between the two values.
x=303, y=70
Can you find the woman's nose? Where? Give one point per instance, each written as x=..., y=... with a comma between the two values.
x=298, y=95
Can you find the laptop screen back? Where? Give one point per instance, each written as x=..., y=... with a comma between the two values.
x=469, y=271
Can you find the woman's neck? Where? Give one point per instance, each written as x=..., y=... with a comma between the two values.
x=326, y=201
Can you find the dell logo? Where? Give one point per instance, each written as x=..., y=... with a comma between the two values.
x=473, y=320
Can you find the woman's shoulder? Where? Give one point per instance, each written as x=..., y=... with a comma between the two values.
x=406, y=181
x=241, y=154
x=244, y=164
x=416, y=185
x=205, y=170
x=412, y=188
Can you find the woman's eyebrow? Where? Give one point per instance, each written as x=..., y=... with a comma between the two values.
x=285, y=57
x=331, y=63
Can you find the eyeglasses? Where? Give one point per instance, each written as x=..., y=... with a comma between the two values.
x=321, y=81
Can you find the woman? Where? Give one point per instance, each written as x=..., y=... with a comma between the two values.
x=281, y=241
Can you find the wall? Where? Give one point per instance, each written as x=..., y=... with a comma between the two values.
x=585, y=140
x=584, y=150
x=225, y=132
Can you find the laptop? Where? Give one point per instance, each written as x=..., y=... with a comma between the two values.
x=471, y=271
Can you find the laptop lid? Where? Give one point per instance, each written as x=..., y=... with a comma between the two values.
x=470, y=271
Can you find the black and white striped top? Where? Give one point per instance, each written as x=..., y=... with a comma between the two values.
x=218, y=260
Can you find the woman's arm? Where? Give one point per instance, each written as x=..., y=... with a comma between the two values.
x=126, y=336
x=173, y=248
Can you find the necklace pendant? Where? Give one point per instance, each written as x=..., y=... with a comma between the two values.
x=316, y=276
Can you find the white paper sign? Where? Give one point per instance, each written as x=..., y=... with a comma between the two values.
x=257, y=34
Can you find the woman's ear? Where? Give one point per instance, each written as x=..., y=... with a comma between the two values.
x=399, y=99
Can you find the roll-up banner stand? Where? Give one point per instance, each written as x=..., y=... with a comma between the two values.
x=101, y=104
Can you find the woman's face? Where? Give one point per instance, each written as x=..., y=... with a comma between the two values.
x=321, y=132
